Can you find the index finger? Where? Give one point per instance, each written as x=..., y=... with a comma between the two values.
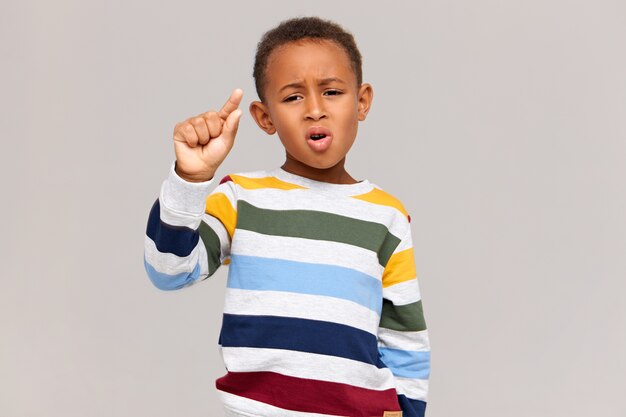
x=232, y=103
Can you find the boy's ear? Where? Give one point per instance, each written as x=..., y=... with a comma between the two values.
x=261, y=115
x=366, y=96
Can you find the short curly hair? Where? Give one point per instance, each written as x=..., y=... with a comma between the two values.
x=310, y=28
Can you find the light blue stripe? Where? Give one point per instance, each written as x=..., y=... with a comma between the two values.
x=258, y=273
x=406, y=363
x=168, y=282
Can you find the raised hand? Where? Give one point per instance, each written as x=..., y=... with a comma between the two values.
x=202, y=142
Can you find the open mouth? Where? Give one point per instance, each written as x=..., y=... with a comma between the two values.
x=319, y=138
x=317, y=133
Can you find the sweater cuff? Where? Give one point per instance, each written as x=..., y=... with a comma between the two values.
x=183, y=196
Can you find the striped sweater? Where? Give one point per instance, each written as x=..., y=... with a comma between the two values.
x=323, y=314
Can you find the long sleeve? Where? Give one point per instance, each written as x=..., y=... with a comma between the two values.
x=402, y=335
x=189, y=231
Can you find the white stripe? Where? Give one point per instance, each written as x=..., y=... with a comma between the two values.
x=246, y=242
x=396, y=339
x=308, y=365
x=176, y=218
x=246, y=407
x=416, y=389
x=226, y=188
x=306, y=306
x=183, y=197
x=304, y=199
x=177, y=196
x=402, y=293
x=406, y=242
x=169, y=263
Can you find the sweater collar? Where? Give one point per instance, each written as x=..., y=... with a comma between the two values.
x=360, y=187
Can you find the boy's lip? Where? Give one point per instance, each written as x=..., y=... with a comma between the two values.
x=317, y=130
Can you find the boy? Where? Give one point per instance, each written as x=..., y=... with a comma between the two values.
x=323, y=314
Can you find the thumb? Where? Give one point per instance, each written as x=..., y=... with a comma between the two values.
x=232, y=125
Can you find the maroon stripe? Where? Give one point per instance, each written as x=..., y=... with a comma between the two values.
x=309, y=395
x=226, y=178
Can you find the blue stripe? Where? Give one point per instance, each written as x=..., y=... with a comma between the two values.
x=406, y=363
x=303, y=335
x=171, y=282
x=179, y=240
x=411, y=407
x=257, y=273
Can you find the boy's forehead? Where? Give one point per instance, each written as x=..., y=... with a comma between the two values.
x=296, y=62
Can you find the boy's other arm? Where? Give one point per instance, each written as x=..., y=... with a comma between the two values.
x=188, y=234
x=402, y=334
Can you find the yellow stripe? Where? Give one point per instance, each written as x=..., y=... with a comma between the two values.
x=218, y=205
x=399, y=268
x=378, y=196
x=265, y=182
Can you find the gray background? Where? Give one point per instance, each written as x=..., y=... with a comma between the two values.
x=500, y=125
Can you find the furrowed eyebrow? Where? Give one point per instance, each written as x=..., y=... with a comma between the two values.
x=324, y=81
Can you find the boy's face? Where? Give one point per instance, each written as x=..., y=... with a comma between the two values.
x=291, y=110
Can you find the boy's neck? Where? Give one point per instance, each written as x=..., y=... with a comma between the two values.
x=335, y=175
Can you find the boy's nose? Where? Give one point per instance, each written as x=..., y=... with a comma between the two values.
x=315, y=108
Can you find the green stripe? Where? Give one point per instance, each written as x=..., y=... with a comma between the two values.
x=212, y=244
x=385, y=251
x=408, y=317
x=319, y=225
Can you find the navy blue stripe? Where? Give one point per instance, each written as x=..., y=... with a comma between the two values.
x=410, y=407
x=303, y=335
x=179, y=240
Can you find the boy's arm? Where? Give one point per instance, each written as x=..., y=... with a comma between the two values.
x=189, y=231
x=403, y=341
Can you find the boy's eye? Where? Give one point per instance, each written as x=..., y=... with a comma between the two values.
x=335, y=93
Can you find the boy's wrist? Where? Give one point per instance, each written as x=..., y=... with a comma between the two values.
x=182, y=196
x=191, y=178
